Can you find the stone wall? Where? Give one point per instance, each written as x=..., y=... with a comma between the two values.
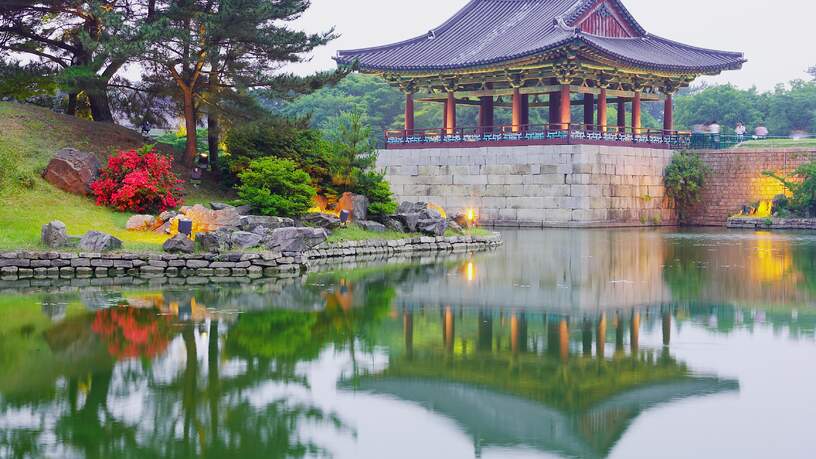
x=536, y=186
x=204, y=268
x=737, y=180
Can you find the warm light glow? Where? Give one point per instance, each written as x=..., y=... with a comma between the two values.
x=438, y=208
x=470, y=271
x=471, y=216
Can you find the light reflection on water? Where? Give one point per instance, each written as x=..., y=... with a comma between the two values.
x=564, y=343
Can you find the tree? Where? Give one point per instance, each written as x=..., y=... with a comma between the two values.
x=84, y=39
x=726, y=104
x=226, y=44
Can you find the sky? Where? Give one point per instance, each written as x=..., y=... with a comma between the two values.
x=774, y=35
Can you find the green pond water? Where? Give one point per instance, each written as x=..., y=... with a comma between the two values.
x=563, y=343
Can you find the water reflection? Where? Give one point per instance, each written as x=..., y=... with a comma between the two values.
x=242, y=371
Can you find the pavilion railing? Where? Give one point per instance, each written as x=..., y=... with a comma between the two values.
x=573, y=134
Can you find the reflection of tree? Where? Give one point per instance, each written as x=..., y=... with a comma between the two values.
x=804, y=260
x=685, y=271
x=133, y=332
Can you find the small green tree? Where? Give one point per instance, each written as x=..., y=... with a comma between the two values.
x=352, y=149
x=276, y=187
x=803, y=189
x=684, y=179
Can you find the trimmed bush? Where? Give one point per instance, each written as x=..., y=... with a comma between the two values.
x=803, y=190
x=374, y=186
x=140, y=181
x=276, y=187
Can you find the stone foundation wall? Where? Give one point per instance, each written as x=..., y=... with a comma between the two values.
x=204, y=268
x=737, y=180
x=537, y=186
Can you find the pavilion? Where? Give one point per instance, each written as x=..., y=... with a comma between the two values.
x=538, y=53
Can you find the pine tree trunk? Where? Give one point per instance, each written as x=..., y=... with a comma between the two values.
x=100, y=106
x=72, y=104
x=190, y=124
x=213, y=138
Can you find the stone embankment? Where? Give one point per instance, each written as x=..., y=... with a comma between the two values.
x=203, y=268
x=772, y=223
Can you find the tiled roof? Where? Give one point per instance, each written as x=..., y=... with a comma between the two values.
x=488, y=32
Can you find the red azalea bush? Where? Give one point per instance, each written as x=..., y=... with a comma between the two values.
x=140, y=181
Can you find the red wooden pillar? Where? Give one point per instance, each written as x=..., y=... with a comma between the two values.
x=589, y=112
x=516, y=110
x=566, y=107
x=621, y=115
x=668, y=114
x=409, y=114
x=485, y=114
x=555, y=104
x=602, y=111
x=525, y=111
x=444, y=116
x=636, y=113
x=450, y=110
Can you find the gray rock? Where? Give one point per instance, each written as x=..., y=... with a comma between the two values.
x=219, y=205
x=455, y=227
x=251, y=222
x=394, y=224
x=96, y=241
x=432, y=226
x=54, y=234
x=369, y=225
x=179, y=244
x=140, y=223
x=412, y=207
x=245, y=239
x=319, y=220
x=167, y=215
x=295, y=239
x=360, y=205
x=246, y=209
x=409, y=221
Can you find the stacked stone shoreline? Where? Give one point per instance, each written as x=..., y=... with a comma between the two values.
x=30, y=265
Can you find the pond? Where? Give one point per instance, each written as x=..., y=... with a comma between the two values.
x=622, y=343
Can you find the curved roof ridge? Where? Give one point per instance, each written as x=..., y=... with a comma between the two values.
x=698, y=48
x=441, y=28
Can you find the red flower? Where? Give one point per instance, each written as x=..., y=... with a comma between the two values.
x=138, y=182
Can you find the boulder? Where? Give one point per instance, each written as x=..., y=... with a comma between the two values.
x=320, y=220
x=430, y=213
x=412, y=207
x=432, y=226
x=246, y=209
x=250, y=222
x=141, y=223
x=179, y=244
x=356, y=204
x=168, y=215
x=219, y=205
x=212, y=220
x=462, y=220
x=213, y=242
x=409, y=221
x=369, y=225
x=54, y=234
x=454, y=226
x=295, y=239
x=245, y=240
x=394, y=224
x=73, y=171
x=96, y=241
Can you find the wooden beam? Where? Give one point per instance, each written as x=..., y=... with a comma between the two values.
x=539, y=90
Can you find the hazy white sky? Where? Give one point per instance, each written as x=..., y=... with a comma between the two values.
x=776, y=36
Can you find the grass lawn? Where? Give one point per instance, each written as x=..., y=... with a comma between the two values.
x=779, y=143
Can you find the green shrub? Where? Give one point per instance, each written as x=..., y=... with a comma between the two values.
x=803, y=189
x=374, y=186
x=276, y=187
x=684, y=179
x=281, y=138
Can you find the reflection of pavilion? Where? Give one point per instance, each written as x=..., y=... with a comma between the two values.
x=488, y=367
